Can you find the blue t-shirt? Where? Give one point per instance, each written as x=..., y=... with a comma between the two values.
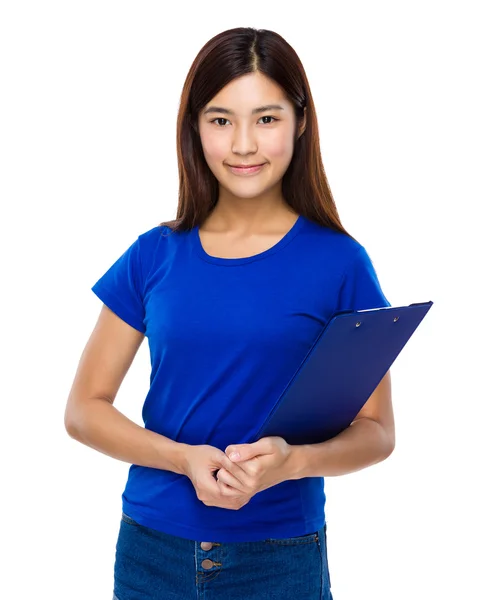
x=225, y=337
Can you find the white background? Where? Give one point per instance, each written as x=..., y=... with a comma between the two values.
x=90, y=93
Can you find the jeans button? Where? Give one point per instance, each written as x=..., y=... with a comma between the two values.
x=207, y=564
x=206, y=545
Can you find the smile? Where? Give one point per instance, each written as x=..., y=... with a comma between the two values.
x=245, y=170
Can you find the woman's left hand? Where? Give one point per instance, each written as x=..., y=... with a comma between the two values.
x=256, y=466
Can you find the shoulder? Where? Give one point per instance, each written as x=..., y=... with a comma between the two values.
x=156, y=246
x=153, y=239
x=339, y=249
x=153, y=235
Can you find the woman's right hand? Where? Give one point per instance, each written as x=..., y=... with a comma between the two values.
x=201, y=463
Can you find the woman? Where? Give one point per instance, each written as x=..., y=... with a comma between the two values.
x=231, y=296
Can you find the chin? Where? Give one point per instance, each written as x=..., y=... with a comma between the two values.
x=241, y=192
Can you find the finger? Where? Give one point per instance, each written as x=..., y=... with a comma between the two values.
x=237, y=470
x=226, y=478
x=210, y=491
x=228, y=491
x=248, y=469
x=243, y=452
x=209, y=484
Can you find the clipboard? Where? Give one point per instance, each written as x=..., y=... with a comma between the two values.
x=344, y=365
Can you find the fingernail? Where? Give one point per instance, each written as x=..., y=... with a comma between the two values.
x=234, y=455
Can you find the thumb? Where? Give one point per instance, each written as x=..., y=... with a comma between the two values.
x=240, y=452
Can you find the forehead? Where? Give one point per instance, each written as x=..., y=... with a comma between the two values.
x=245, y=93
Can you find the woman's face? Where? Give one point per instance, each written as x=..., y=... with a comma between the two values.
x=233, y=134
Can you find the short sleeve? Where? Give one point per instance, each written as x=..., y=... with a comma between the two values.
x=121, y=288
x=360, y=288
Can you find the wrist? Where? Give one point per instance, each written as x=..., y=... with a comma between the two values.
x=297, y=462
x=178, y=458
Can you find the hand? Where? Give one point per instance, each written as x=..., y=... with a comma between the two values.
x=263, y=464
x=201, y=462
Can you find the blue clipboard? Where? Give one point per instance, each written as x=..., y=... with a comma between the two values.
x=343, y=367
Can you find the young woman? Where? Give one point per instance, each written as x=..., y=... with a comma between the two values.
x=231, y=296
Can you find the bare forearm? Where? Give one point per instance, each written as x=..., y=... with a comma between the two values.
x=361, y=445
x=99, y=425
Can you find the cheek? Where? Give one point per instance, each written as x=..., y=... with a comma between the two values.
x=214, y=147
x=275, y=145
x=278, y=145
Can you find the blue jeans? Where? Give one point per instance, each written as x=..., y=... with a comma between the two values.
x=153, y=565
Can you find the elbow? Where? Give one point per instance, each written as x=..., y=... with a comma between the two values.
x=70, y=425
x=389, y=450
x=388, y=438
x=73, y=418
x=389, y=445
x=70, y=419
x=79, y=413
x=385, y=441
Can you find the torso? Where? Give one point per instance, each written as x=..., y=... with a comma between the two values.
x=228, y=245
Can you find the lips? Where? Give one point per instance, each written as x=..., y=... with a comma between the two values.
x=246, y=166
x=246, y=170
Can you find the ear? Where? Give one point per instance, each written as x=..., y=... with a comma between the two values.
x=194, y=123
x=302, y=125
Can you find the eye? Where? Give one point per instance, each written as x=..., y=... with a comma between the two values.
x=269, y=117
x=218, y=119
x=224, y=119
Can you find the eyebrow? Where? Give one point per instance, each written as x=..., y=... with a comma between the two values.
x=260, y=109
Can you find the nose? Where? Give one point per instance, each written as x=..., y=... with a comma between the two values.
x=244, y=141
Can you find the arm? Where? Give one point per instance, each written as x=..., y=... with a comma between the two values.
x=271, y=460
x=90, y=416
x=369, y=440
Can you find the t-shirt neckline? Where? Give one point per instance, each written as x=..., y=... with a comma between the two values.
x=231, y=262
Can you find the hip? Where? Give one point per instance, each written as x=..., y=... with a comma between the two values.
x=151, y=564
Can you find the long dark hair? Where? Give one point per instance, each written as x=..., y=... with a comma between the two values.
x=228, y=55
